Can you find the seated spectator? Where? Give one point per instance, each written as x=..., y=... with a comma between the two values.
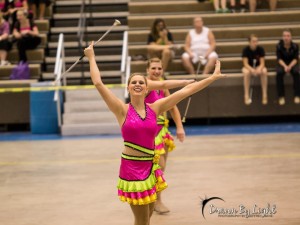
x=233, y=6
x=223, y=8
x=5, y=45
x=160, y=43
x=253, y=3
x=4, y=9
x=13, y=7
x=199, y=42
x=41, y=5
x=288, y=63
x=26, y=33
x=254, y=65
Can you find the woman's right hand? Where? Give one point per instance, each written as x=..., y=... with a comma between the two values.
x=89, y=51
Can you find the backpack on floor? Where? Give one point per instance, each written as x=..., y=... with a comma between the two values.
x=20, y=72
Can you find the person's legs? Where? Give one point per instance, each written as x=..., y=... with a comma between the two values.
x=22, y=47
x=223, y=4
x=247, y=77
x=32, y=7
x=280, y=84
x=3, y=55
x=159, y=206
x=264, y=85
x=216, y=5
x=166, y=56
x=273, y=4
x=42, y=7
x=187, y=63
x=211, y=62
x=252, y=5
x=296, y=79
x=141, y=214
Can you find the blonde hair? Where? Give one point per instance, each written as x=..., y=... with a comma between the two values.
x=153, y=60
x=136, y=74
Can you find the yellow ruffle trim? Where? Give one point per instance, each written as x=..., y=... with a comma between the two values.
x=139, y=186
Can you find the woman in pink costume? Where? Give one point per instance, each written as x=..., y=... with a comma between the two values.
x=140, y=177
x=164, y=141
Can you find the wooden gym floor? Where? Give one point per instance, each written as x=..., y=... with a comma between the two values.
x=73, y=181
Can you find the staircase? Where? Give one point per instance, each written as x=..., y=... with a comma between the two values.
x=100, y=15
x=85, y=112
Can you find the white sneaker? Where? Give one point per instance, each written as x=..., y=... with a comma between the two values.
x=281, y=101
x=5, y=63
x=297, y=100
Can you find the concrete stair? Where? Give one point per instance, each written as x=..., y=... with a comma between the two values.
x=85, y=113
x=99, y=18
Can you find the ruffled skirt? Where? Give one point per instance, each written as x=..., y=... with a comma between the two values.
x=163, y=139
x=140, y=179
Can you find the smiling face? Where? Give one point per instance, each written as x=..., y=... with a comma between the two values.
x=137, y=85
x=20, y=15
x=155, y=70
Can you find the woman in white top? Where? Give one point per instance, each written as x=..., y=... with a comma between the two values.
x=199, y=43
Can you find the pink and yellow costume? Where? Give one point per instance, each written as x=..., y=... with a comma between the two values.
x=163, y=137
x=140, y=177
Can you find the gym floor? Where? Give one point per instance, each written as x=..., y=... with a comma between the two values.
x=73, y=180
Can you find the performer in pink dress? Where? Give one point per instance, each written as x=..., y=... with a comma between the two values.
x=164, y=141
x=140, y=177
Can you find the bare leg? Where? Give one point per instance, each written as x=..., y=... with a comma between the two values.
x=264, y=85
x=210, y=65
x=33, y=8
x=252, y=5
x=223, y=4
x=142, y=213
x=159, y=205
x=3, y=55
x=188, y=65
x=42, y=7
x=216, y=5
x=166, y=57
x=247, y=76
x=273, y=4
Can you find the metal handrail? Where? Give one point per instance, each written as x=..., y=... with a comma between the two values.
x=128, y=71
x=81, y=32
x=124, y=52
x=59, y=69
x=125, y=63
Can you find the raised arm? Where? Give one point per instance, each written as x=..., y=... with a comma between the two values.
x=167, y=84
x=118, y=107
x=169, y=102
x=175, y=114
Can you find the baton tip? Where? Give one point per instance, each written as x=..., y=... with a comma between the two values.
x=117, y=22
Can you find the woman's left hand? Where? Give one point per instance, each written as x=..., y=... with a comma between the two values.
x=180, y=133
x=217, y=73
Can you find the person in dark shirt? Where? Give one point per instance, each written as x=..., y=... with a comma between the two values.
x=160, y=42
x=254, y=65
x=288, y=63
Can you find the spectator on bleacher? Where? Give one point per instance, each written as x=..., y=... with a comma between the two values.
x=199, y=42
x=223, y=8
x=160, y=43
x=254, y=65
x=41, y=5
x=26, y=33
x=13, y=7
x=5, y=45
x=253, y=4
x=233, y=6
x=288, y=63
